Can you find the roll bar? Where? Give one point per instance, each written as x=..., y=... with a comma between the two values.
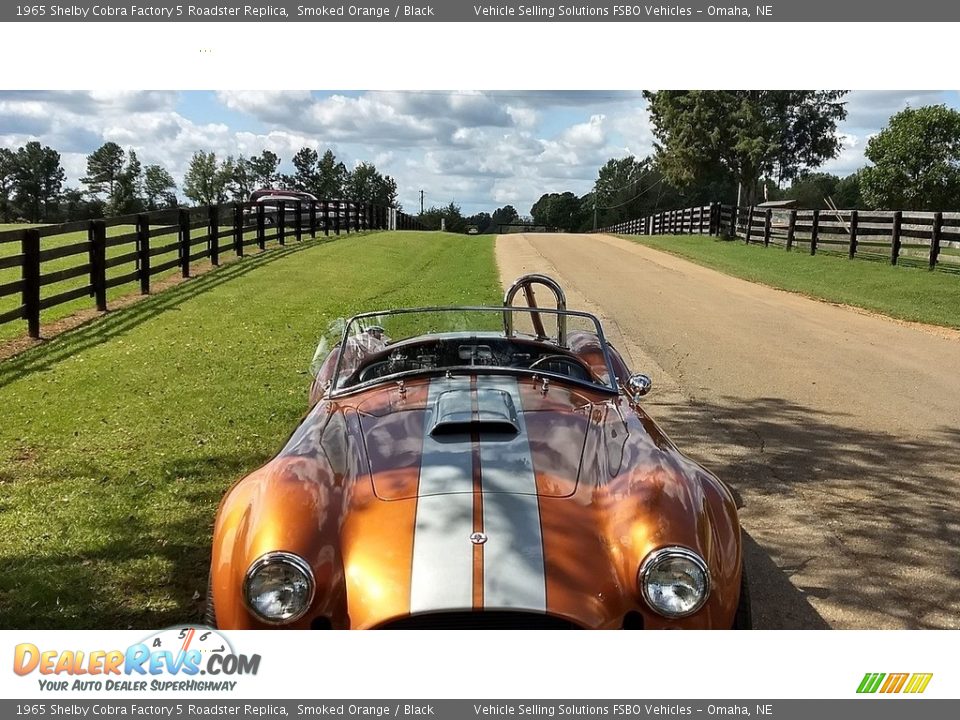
x=526, y=283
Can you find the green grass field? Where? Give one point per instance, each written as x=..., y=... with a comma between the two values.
x=901, y=292
x=119, y=438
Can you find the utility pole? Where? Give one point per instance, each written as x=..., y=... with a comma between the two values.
x=594, y=212
x=421, y=203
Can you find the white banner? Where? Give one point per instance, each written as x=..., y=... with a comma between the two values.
x=192, y=662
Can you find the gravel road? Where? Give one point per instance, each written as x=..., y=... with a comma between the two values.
x=838, y=430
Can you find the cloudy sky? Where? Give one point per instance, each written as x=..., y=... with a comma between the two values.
x=479, y=149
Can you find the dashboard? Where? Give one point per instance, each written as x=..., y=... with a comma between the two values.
x=468, y=352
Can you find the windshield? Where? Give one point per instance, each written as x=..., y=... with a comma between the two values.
x=394, y=344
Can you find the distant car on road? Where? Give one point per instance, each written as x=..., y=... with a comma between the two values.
x=271, y=198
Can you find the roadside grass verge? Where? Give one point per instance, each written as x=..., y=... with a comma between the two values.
x=901, y=292
x=119, y=438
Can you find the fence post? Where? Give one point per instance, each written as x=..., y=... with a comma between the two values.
x=184, y=223
x=313, y=219
x=895, y=237
x=349, y=215
x=814, y=231
x=336, y=218
x=791, y=228
x=935, y=235
x=143, y=252
x=854, y=222
x=213, y=237
x=30, y=274
x=282, y=222
x=701, y=218
x=749, y=225
x=98, y=260
x=298, y=228
x=767, y=222
x=238, y=229
x=261, y=226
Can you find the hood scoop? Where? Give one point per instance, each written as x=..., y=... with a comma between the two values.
x=455, y=413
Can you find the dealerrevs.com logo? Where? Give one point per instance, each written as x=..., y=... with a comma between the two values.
x=890, y=683
x=172, y=659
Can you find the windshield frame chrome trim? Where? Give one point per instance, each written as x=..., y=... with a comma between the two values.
x=335, y=392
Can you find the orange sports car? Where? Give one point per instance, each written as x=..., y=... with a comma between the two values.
x=477, y=467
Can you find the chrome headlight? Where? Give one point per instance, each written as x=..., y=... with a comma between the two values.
x=278, y=587
x=674, y=581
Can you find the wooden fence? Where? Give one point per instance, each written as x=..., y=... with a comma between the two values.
x=161, y=241
x=927, y=239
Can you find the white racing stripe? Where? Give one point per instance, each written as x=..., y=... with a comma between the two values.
x=442, y=572
x=513, y=567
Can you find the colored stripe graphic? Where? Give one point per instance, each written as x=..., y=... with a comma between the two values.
x=871, y=682
x=895, y=683
x=918, y=682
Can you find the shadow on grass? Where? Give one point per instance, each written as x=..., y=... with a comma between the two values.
x=140, y=572
x=865, y=521
x=107, y=327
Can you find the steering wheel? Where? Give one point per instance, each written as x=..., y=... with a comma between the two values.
x=377, y=369
x=582, y=372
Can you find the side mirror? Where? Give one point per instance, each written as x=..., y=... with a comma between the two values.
x=639, y=385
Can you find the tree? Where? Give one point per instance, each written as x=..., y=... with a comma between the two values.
x=916, y=161
x=366, y=184
x=848, y=192
x=481, y=221
x=159, y=189
x=8, y=169
x=307, y=176
x=104, y=166
x=127, y=192
x=453, y=220
x=504, y=216
x=558, y=210
x=703, y=136
x=628, y=188
x=206, y=182
x=263, y=169
x=38, y=179
x=74, y=204
x=333, y=174
x=243, y=182
x=811, y=190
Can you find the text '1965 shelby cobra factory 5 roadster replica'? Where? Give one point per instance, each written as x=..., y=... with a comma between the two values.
x=477, y=467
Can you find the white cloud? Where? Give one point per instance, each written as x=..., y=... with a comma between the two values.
x=481, y=149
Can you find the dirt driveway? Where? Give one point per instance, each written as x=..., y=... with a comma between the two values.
x=839, y=430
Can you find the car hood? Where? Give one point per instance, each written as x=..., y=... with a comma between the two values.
x=536, y=499
x=485, y=434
